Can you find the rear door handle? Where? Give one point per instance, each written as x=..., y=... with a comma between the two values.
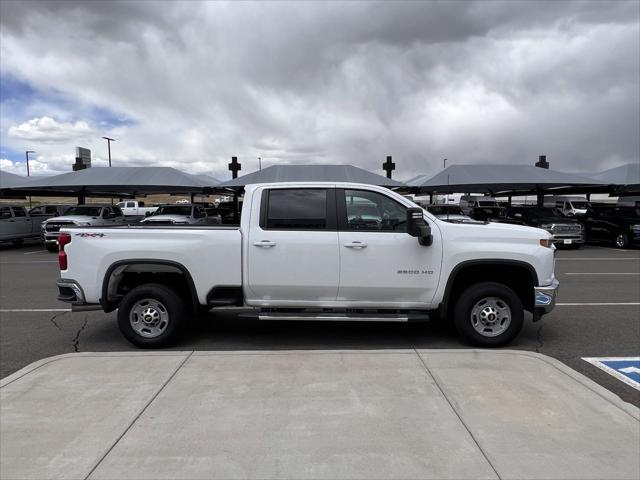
x=265, y=243
x=355, y=245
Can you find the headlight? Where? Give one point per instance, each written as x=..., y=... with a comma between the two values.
x=546, y=242
x=635, y=227
x=547, y=226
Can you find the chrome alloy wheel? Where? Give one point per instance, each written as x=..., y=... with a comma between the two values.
x=490, y=316
x=149, y=318
x=621, y=241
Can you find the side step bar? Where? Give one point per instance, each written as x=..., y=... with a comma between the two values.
x=346, y=317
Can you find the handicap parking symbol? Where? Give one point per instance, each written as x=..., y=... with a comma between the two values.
x=626, y=369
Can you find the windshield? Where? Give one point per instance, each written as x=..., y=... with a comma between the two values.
x=580, y=205
x=84, y=210
x=445, y=210
x=487, y=203
x=174, y=210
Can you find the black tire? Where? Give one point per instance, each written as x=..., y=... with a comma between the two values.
x=462, y=314
x=174, y=306
x=621, y=240
x=18, y=242
x=52, y=247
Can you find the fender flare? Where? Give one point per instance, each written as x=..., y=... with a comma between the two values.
x=472, y=263
x=110, y=306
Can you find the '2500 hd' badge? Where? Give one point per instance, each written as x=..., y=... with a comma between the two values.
x=90, y=235
x=415, y=272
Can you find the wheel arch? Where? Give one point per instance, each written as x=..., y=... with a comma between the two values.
x=113, y=276
x=471, y=271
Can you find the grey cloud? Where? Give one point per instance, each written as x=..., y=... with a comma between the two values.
x=489, y=81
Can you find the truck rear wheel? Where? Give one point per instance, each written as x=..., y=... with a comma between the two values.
x=488, y=314
x=151, y=316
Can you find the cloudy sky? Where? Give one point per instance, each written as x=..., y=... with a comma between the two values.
x=190, y=84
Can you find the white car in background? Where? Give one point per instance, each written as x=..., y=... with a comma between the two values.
x=134, y=208
x=180, y=215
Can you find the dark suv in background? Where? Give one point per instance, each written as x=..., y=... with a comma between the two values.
x=567, y=232
x=615, y=224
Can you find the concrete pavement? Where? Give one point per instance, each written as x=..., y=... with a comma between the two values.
x=313, y=414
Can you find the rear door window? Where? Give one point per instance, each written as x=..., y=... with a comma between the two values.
x=298, y=209
x=19, y=212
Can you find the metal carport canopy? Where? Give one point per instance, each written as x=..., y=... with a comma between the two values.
x=497, y=179
x=311, y=173
x=116, y=180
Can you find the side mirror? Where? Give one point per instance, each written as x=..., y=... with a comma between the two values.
x=418, y=227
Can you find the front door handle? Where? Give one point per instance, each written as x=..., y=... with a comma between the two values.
x=265, y=243
x=355, y=245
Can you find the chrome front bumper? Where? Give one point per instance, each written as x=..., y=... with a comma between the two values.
x=545, y=298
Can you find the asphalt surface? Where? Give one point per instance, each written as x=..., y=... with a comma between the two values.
x=580, y=326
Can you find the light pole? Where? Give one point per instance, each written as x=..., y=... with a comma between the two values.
x=26, y=154
x=259, y=163
x=109, y=140
x=444, y=163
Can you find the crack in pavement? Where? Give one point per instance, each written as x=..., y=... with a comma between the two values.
x=53, y=319
x=76, y=340
x=539, y=338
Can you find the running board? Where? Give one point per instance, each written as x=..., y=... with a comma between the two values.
x=340, y=317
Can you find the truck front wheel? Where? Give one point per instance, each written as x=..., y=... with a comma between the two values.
x=151, y=316
x=488, y=314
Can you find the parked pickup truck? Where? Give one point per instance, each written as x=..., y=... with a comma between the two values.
x=615, y=224
x=79, y=215
x=16, y=224
x=134, y=208
x=566, y=231
x=304, y=251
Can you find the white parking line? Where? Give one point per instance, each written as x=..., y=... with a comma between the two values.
x=595, y=304
x=33, y=261
x=602, y=273
x=15, y=310
x=37, y=251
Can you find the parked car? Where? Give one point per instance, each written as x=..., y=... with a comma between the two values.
x=615, y=224
x=134, y=208
x=566, y=231
x=180, y=215
x=16, y=225
x=469, y=202
x=569, y=206
x=226, y=212
x=297, y=255
x=79, y=215
x=449, y=213
x=48, y=211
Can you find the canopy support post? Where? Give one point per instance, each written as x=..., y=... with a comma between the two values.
x=540, y=197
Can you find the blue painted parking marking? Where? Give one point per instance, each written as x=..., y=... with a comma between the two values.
x=626, y=369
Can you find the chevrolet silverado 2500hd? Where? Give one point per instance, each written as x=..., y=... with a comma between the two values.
x=322, y=251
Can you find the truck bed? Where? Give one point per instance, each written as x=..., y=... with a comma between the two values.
x=211, y=254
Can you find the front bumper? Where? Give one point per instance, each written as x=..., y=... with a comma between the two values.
x=545, y=299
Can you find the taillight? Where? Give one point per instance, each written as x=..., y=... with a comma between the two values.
x=63, y=239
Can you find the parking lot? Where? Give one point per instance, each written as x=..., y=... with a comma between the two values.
x=598, y=315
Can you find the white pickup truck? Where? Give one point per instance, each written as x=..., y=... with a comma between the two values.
x=134, y=208
x=321, y=251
